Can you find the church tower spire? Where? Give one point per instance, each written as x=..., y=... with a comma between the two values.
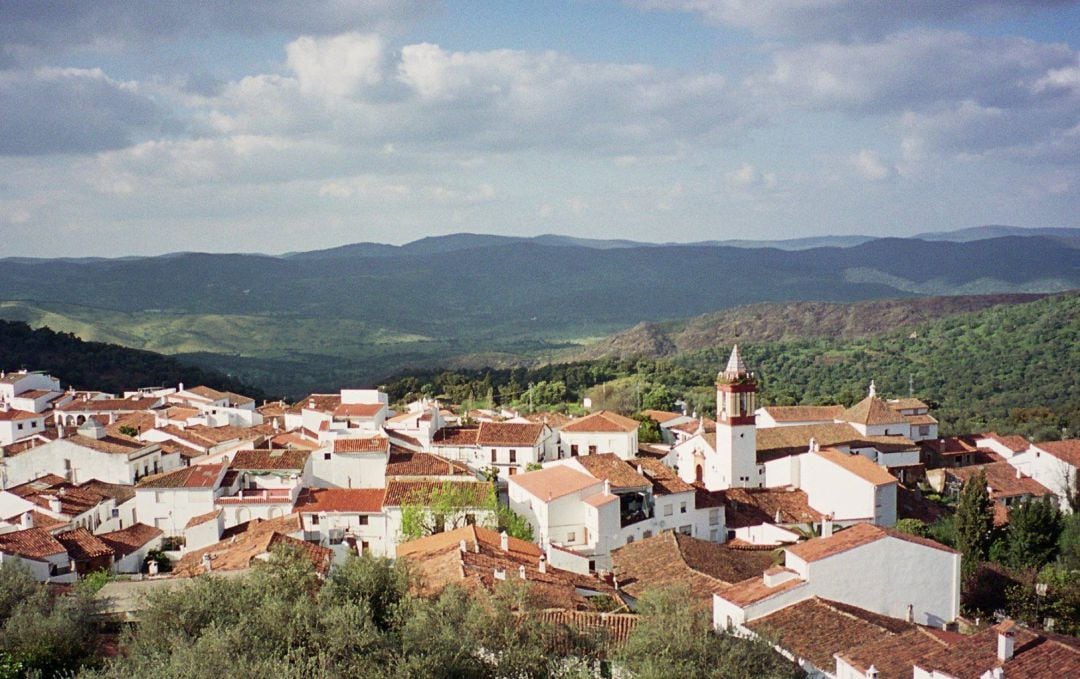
x=736, y=432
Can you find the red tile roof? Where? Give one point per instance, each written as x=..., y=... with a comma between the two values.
x=804, y=413
x=32, y=543
x=358, y=409
x=409, y=463
x=322, y=402
x=203, y=518
x=509, y=434
x=195, y=476
x=1066, y=451
x=13, y=414
x=610, y=467
x=872, y=411
x=1015, y=443
x=856, y=536
x=110, y=404
x=1003, y=479
x=287, y=459
x=348, y=500
x=661, y=416
x=553, y=482
x=1035, y=656
x=373, y=444
x=419, y=492
x=754, y=506
x=753, y=590
x=602, y=421
x=456, y=436
x=82, y=545
x=859, y=465
x=894, y=656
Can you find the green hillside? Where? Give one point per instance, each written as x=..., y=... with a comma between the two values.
x=1011, y=368
x=94, y=365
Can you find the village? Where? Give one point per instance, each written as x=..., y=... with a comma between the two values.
x=781, y=520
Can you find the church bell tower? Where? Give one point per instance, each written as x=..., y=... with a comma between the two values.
x=736, y=439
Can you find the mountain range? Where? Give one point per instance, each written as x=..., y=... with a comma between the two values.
x=364, y=311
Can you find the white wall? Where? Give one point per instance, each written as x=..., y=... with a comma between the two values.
x=831, y=489
x=1054, y=473
x=374, y=532
x=170, y=509
x=625, y=445
x=86, y=463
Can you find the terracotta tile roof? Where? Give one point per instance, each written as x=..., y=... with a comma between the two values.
x=373, y=444
x=1003, y=479
x=664, y=479
x=82, y=545
x=671, y=558
x=73, y=499
x=614, y=628
x=203, y=518
x=509, y=434
x=755, y=506
x=207, y=393
x=691, y=428
x=272, y=409
x=856, y=536
x=243, y=551
x=322, y=403
x=128, y=540
x=858, y=465
x=753, y=590
x=41, y=483
x=185, y=452
x=113, y=445
x=43, y=521
x=553, y=482
x=1015, y=443
x=610, y=467
x=439, y=562
x=236, y=399
x=601, y=499
x=13, y=414
x=1066, y=451
x=1035, y=656
x=211, y=436
x=907, y=404
x=408, y=492
x=358, y=409
x=602, y=421
x=553, y=420
x=287, y=525
x=661, y=416
x=348, y=500
x=141, y=421
x=804, y=413
x=291, y=440
x=920, y=419
x=287, y=459
x=180, y=412
x=815, y=629
x=408, y=463
x=110, y=404
x=894, y=655
x=32, y=543
x=194, y=476
x=872, y=411
x=456, y=436
x=796, y=439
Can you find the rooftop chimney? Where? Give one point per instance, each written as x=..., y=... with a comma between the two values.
x=872, y=673
x=27, y=521
x=543, y=564
x=1005, y=639
x=152, y=567
x=910, y=617
x=826, y=527
x=607, y=487
x=521, y=571
x=504, y=541
x=463, y=547
x=206, y=562
x=778, y=518
x=55, y=505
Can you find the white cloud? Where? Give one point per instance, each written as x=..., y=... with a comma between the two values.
x=337, y=66
x=869, y=165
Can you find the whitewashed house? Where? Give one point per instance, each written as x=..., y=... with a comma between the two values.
x=169, y=501
x=509, y=447
x=600, y=432
x=347, y=520
x=39, y=551
x=351, y=462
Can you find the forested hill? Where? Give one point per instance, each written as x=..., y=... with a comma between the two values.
x=1010, y=368
x=787, y=321
x=95, y=365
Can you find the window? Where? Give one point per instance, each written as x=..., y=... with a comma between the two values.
x=668, y=510
x=159, y=496
x=629, y=539
x=924, y=431
x=19, y=425
x=513, y=470
x=493, y=456
x=470, y=519
x=362, y=519
x=571, y=536
x=682, y=507
x=314, y=519
x=686, y=530
x=326, y=456
x=513, y=455
x=573, y=450
x=592, y=450
x=714, y=516
x=645, y=535
x=364, y=547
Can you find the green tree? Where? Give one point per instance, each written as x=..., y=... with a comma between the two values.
x=974, y=523
x=913, y=527
x=674, y=638
x=648, y=430
x=1032, y=537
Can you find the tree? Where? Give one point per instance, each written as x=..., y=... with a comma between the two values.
x=449, y=506
x=974, y=523
x=648, y=430
x=913, y=527
x=1032, y=537
x=674, y=638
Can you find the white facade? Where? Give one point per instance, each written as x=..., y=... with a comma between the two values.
x=1050, y=470
x=78, y=463
x=574, y=443
x=170, y=509
x=18, y=424
x=847, y=496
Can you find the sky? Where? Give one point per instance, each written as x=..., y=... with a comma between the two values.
x=273, y=126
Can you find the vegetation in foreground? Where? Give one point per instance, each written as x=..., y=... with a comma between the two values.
x=282, y=621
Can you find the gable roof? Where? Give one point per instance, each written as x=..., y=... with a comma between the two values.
x=1067, y=451
x=602, y=421
x=1003, y=479
x=804, y=413
x=670, y=558
x=371, y=444
x=610, y=467
x=754, y=506
x=1035, y=656
x=553, y=482
x=31, y=543
x=358, y=409
x=456, y=436
x=243, y=550
x=282, y=459
x=194, y=476
x=860, y=466
x=404, y=462
x=856, y=536
x=349, y=500
x=82, y=545
x=509, y=434
x=474, y=537
x=399, y=492
x=894, y=656
x=872, y=411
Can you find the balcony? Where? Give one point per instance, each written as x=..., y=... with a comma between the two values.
x=264, y=496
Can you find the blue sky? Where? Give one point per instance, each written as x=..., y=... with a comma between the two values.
x=141, y=128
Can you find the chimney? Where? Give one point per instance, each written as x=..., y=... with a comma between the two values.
x=206, y=562
x=180, y=387
x=463, y=547
x=311, y=403
x=910, y=617
x=872, y=673
x=55, y=505
x=504, y=541
x=1005, y=639
x=813, y=445
x=521, y=572
x=778, y=518
x=607, y=487
x=1018, y=474
x=543, y=564
x=826, y=526
x=27, y=521
x=152, y=567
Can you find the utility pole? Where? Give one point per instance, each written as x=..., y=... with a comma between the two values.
x=911, y=385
